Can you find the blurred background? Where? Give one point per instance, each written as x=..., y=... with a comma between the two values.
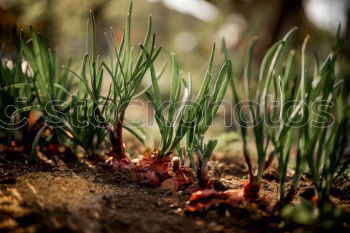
x=188, y=27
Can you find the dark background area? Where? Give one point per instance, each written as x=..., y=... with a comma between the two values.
x=188, y=27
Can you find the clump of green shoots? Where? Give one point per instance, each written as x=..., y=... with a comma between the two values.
x=68, y=115
x=15, y=93
x=257, y=114
x=323, y=138
x=322, y=142
x=65, y=113
x=205, y=109
x=172, y=129
x=188, y=118
x=126, y=73
x=283, y=136
x=184, y=115
x=156, y=168
x=51, y=87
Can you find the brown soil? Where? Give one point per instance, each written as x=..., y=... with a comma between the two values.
x=85, y=197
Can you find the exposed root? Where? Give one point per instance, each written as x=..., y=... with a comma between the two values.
x=121, y=163
x=182, y=177
x=162, y=172
x=251, y=191
x=53, y=149
x=202, y=201
x=152, y=170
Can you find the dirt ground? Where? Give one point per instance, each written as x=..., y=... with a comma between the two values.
x=87, y=197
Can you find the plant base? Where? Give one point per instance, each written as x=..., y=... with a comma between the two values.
x=155, y=171
x=250, y=191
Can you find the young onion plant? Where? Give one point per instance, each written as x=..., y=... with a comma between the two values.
x=52, y=87
x=305, y=109
x=204, y=151
x=287, y=94
x=15, y=93
x=171, y=128
x=323, y=137
x=187, y=117
x=126, y=72
x=258, y=109
x=205, y=111
x=88, y=105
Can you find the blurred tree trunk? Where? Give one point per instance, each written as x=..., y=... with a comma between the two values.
x=346, y=54
x=285, y=15
x=347, y=34
x=8, y=19
x=281, y=15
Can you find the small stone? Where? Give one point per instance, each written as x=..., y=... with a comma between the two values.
x=200, y=223
x=218, y=228
x=169, y=185
x=213, y=224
